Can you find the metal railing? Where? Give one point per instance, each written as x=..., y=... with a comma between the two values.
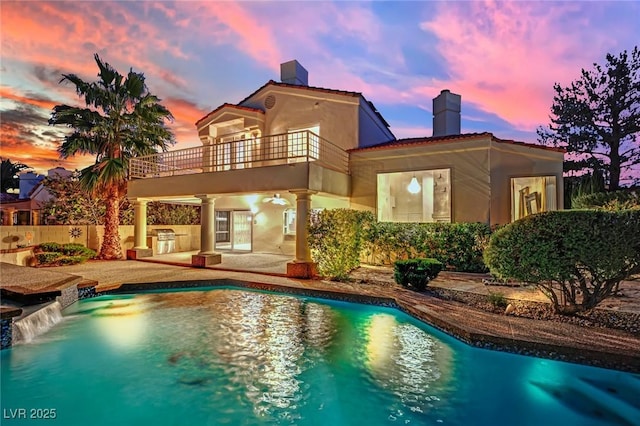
x=270, y=150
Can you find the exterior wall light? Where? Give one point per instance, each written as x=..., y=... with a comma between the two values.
x=414, y=186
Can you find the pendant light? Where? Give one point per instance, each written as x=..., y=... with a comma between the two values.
x=414, y=186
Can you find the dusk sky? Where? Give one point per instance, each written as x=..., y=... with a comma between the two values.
x=503, y=58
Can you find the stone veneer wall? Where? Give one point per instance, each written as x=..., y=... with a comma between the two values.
x=6, y=330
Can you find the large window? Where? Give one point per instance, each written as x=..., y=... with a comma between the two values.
x=531, y=195
x=419, y=196
x=303, y=144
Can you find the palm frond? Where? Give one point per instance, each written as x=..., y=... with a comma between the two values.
x=124, y=120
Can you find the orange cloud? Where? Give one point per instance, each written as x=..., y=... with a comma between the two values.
x=8, y=93
x=36, y=33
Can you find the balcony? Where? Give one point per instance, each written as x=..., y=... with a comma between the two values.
x=271, y=150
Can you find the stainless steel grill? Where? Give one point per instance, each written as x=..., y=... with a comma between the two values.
x=166, y=240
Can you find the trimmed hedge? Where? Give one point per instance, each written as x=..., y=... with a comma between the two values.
x=416, y=273
x=336, y=239
x=459, y=246
x=576, y=257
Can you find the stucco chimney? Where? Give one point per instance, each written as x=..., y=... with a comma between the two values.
x=293, y=73
x=446, y=114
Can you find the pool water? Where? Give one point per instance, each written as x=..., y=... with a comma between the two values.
x=236, y=357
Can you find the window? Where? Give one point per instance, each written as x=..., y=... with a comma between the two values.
x=303, y=144
x=531, y=195
x=420, y=196
x=289, y=222
x=289, y=227
x=223, y=226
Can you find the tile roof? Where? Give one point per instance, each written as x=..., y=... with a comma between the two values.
x=297, y=86
x=320, y=90
x=8, y=198
x=228, y=105
x=448, y=139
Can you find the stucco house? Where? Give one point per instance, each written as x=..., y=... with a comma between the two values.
x=288, y=148
x=25, y=208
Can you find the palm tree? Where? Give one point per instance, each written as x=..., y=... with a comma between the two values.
x=9, y=174
x=121, y=120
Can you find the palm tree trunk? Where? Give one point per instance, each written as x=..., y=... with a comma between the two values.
x=111, y=249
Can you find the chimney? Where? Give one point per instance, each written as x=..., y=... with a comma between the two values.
x=293, y=73
x=446, y=114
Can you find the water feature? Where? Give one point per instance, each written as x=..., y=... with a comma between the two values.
x=37, y=323
x=231, y=356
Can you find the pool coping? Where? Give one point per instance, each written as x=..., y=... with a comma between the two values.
x=431, y=312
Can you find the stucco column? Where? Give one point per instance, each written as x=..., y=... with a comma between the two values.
x=140, y=247
x=207, y=254
x=7, y=216
x=303, y=206
x=207, y=224
x=11, y=214
x=140, y=224
x=302, y=266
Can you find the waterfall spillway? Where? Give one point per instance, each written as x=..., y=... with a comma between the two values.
x=33, y=325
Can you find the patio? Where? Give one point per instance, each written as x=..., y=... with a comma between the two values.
x=264, y=263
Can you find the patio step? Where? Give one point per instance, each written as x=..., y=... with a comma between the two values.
x=612, y=403
x=623, y=393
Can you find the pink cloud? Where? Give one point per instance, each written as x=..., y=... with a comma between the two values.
x=36, y=33
x=505, y=56
x=253, y=37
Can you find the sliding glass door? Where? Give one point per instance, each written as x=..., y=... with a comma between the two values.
x=234, y=230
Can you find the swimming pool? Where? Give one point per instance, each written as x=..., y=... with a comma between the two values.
x=238, y=357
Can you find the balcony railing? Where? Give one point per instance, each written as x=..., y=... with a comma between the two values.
x=286, y=148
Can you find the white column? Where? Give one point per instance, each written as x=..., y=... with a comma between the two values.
x=207, y=224
x=140, y=223
x=303, y=207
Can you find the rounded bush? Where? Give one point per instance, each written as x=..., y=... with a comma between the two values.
x=576, y=257
x=416, y=273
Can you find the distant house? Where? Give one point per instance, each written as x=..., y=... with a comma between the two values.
x=289, y=148
x=25, y=208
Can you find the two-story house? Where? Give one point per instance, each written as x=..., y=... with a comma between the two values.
x=288, y=148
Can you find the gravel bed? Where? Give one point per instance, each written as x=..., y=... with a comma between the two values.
x=626, y=321
x=604, y=318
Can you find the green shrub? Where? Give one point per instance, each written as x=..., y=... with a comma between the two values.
x=336, y=238
x=497, y=299
x=71, y=260
x=576, y=257
x=72, y=249
x=416, y=273
x=52, y=254
x=48, y=258
x=456, y=245
x=50, y=247
x=614, y=200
